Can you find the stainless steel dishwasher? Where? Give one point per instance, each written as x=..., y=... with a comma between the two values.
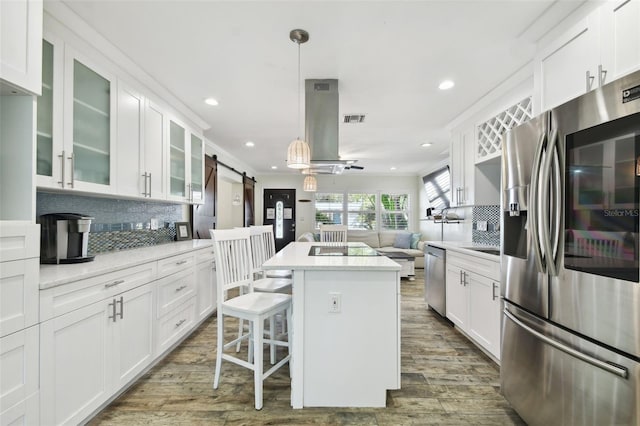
x=435, y=260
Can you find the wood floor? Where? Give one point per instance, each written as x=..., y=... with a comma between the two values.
x=445, y=380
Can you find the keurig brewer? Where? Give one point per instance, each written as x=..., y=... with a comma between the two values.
x=64, y=238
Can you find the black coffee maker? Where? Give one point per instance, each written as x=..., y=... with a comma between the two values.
x=64, y=238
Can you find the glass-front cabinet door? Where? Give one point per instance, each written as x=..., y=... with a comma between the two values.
x=49, y=137
x=177, y=161
x=197, y=169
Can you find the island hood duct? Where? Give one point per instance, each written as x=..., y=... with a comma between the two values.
x=321, y=125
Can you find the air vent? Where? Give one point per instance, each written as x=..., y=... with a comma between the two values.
x=353, y=118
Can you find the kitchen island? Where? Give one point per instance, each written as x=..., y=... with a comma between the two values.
x=346, y=324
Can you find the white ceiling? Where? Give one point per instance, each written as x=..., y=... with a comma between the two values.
x=389, y=57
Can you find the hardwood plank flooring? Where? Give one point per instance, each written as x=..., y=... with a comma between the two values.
x=446, y=380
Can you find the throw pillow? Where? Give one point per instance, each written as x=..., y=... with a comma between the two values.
x=414, y=240
x=403, y=240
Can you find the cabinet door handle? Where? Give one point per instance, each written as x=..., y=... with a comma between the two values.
x=590, y=79
x=182, y=262
x=493, y=291
x=62, y=157
x=149, y=184
x=179, y=323
x=465, y=278
x=73, y=167
x=144, y=175
x=602, y=74
x=121, y=302
x=461, y=277
x=182, y=287
x=115, y=283
x=113, y=310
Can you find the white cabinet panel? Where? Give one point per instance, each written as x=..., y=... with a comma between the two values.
x=175, y=324
x=19, y=240
x=18, y=295
x=25, y=413
x=20, y=43
x=461, y=161
x=206, y=282
x=155, y=148
x=174, y=290
x=19, y=370
x=621, y=37
x=457, y=296
x=75, y=364
x=129, y=140
x=484, y=312
x=133, y=335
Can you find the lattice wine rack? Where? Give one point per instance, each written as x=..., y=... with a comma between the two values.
x=490, y=132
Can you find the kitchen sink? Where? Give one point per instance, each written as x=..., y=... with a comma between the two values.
x=487, y=250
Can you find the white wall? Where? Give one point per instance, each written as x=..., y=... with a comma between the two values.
x=305, y=212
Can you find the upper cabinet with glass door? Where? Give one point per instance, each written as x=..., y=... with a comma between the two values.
x=81, y=157
x=186, y=164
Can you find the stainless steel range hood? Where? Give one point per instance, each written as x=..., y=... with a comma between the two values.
x=321, y=125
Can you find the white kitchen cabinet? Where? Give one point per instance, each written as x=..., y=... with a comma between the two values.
x=154, y=151
x=457, y=296
x=186, y=164
x=596, y=50
x=484, y=312
x=461, y=161
x=19, y=377
x=20, y=43
x=621, y=37
x=88, y=354
x=206, y=283
x=130, y=145
x=76, y=122
x=473, y=299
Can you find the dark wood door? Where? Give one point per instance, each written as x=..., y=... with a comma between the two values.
x=249, y=200
x=203, y=216
x=280, y=211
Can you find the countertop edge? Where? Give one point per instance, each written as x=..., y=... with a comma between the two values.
x=462, y=247
x=52, y=276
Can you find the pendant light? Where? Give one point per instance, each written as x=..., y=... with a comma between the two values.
x=299, y=152
x=310, y=184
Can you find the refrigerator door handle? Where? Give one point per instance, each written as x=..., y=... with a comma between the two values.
x=546, y=228
x=533, y=205
x=558, y=207
x=611, y=368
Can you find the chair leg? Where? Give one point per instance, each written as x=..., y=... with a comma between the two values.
x=289, y=338
x=240, y=330
x=250, y=351
x=257, y=361
x=272, y=336
x=220, y=348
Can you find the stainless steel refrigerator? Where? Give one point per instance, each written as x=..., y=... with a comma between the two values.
x=570, y=261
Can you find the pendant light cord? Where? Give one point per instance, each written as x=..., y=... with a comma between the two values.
x=298, y=43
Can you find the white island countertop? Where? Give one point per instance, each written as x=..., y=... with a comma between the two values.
x=296, y=256
x=55, y=275
x=465, y=247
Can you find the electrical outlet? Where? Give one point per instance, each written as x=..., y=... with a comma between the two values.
x=153, y=224
x=335, y=303
x=481, y=225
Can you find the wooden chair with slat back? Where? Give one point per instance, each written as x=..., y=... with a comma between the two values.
x=333, y=233
x=234, y=269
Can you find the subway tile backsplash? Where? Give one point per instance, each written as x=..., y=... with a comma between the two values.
x=490, y=214
x=117, y=224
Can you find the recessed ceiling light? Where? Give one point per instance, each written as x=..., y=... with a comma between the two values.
x=392, y=168
x=426, y=144
x=274, y=167
x=211, y=101
x=250, y=144
x=445, y=85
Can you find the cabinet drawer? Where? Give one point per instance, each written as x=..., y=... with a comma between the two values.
x=66, y=298
x=175, y=264
x=19, y=368
x=19, y=290
x=176, y=324
x=174, y=290
x=205, y=255
x=479, y=265
x=19, y=240
x=26, y=412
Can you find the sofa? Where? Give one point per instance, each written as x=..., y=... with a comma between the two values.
x=383, y=241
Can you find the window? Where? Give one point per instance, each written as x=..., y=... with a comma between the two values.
x=363, y=211
x=438, y=185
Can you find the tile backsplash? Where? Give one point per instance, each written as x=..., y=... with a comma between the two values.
x=491, y=215
x=117, y=224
